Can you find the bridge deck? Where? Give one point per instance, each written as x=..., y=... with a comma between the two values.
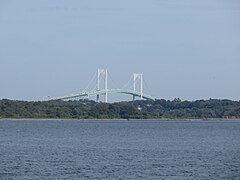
x=86, y=95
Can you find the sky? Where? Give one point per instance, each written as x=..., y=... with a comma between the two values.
x=185, y=49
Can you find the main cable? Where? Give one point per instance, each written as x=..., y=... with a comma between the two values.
x=90, y=83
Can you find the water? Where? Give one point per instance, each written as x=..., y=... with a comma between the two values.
x=119, y=149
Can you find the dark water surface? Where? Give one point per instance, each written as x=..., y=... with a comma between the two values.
x=119, y=149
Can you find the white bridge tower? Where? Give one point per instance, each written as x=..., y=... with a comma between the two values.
x=138, y=81
x=102, y=77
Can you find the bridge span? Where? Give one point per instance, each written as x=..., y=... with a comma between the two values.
x=102, y=89
x=87, y=95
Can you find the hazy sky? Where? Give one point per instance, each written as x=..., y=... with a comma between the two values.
x=185, y=48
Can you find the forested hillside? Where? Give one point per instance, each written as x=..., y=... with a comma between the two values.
x=159, y=109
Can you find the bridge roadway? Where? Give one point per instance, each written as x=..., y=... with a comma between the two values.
x=86, y=95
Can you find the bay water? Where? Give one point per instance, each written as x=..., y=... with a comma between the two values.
x=119, y=149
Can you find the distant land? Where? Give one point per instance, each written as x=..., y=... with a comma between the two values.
x=85, y=109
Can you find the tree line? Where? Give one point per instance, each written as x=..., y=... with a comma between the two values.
x=85, y=109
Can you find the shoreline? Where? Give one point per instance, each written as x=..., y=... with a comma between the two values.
x=54, y=119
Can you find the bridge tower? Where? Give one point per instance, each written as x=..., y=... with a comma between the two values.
x=138, y=77
x=102, y=76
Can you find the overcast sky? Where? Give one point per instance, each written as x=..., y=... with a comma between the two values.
x=185, y=48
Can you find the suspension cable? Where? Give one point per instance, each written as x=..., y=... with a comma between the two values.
x=126, y=85
x=114, y=82
x=145, y=83
x=90, y=83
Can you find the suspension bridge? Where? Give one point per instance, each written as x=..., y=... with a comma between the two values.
x=102, y=89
